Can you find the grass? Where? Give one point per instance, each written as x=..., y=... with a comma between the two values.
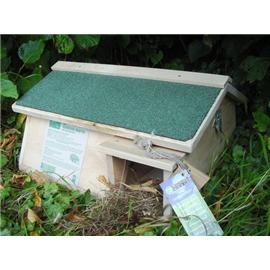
x=238, y=193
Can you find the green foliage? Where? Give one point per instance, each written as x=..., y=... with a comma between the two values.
x=3, y=160
x=262, y=121
x=64, y=44
x=87, y=41
x=50, y=202
x=255, y=67
x=26, y=83
x=8, y=89
x=31, y=51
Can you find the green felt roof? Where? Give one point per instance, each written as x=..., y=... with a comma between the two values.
x=172, y=110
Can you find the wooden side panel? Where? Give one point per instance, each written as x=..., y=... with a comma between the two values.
x=94, y=163
x=117, y=170
x=30, y=156
x=212, y=142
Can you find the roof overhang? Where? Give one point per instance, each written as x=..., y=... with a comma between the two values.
x=221, y=81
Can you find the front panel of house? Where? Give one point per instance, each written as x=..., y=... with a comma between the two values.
x=61, y=151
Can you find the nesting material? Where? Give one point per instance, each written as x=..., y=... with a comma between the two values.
x=119, y=210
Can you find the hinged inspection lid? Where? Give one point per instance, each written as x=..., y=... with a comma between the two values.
x=120, y=102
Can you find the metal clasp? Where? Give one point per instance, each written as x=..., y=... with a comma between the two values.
x=218, y=121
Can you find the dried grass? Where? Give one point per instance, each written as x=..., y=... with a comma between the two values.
x=120, y=209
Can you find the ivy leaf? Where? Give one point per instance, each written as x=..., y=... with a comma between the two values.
x=50, y=188
x=255, y=67
x=64, y=44
x=197, y=49
x=55, y=211
x=156, y=57
x=28, y=82
x=238, y=153
x=31, y=51
x=262, y=121
x=87, y=41
x=8, y=89
x=3, y=161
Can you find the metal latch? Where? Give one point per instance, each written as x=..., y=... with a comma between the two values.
x=218, y=121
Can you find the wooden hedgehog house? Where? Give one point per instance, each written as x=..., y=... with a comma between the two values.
x=82, y=120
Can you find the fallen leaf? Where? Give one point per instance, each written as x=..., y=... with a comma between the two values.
x=1, y=187
x=103, y=180
x=10, y=131
x=8, y=144
x=27, y=179
x=40, y=177
x=32, y=216
x=18, y=179
x=34, y=233
x=75, y=218
x=37, y=199
x=4, y=142
x=217, y=208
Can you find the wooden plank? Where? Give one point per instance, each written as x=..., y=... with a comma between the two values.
x=112, y=130
x=196, y=78
x=198, y=176
x=200, y=132
x=110, y=169
x=212, y=142
x=129, y=151
x=237, y=95
x=32, y=147
x=118, y=169
x=25, y=136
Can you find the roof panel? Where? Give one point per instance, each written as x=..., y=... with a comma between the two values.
x=172, y=110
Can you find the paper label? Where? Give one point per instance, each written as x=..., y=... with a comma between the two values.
x=63, y=151
x=189, y=205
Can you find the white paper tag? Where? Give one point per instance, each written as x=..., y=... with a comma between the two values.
x=189, y=205
x=63, y=151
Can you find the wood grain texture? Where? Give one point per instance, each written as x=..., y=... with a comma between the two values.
x=212, y=142
x=196, y=78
